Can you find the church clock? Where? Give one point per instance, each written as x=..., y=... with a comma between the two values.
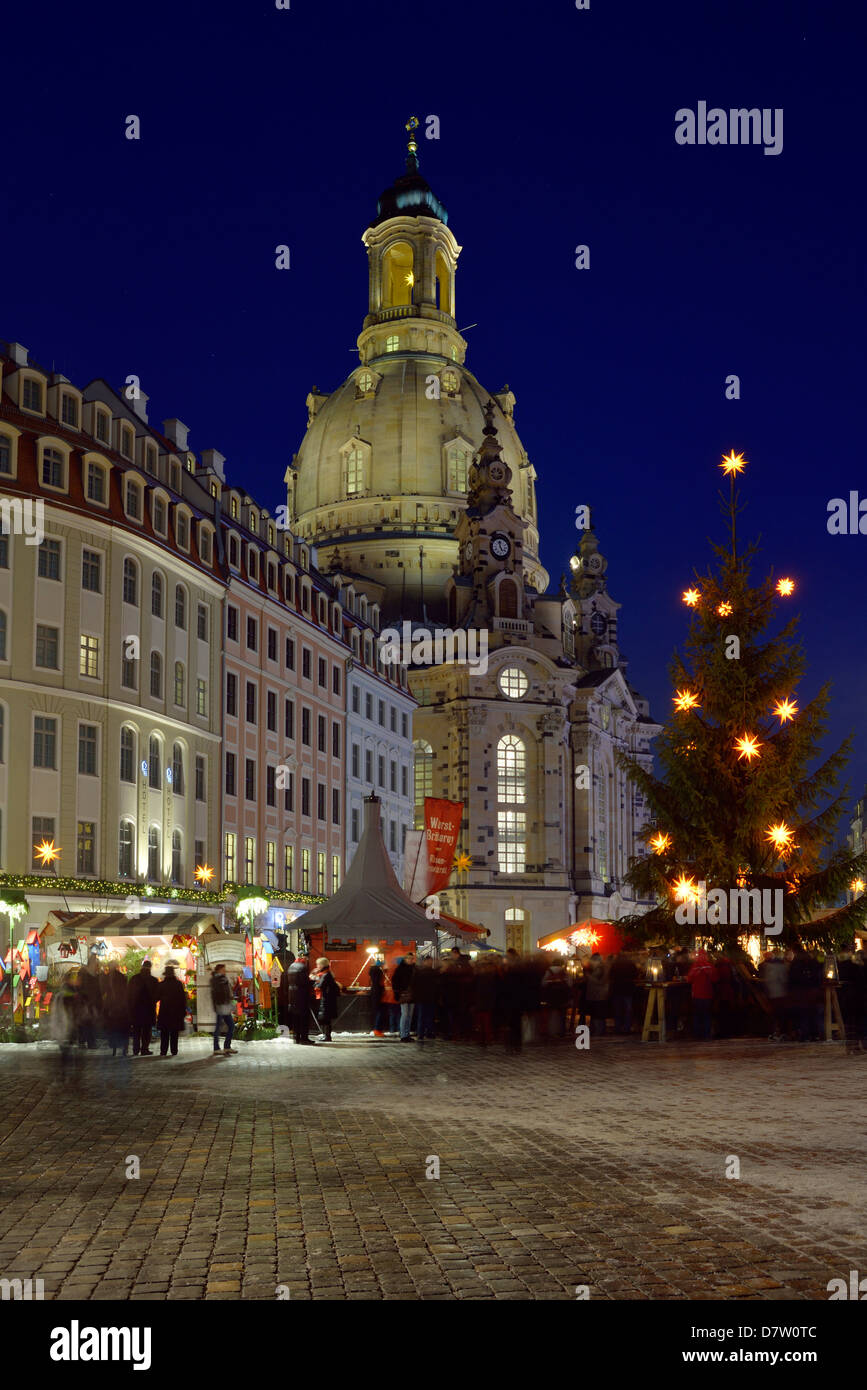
x=598, y=625
x=501, y=546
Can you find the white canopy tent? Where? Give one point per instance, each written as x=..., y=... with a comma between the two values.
x=370, y=904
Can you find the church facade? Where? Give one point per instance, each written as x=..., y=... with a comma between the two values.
x=415, y=488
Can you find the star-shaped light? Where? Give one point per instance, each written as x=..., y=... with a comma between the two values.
x=203, y=873
x=780, y=836
x=724, y=609
x=785, y=709
x=685, y=700
x=47, y=852
x=685, y=890
x=857, y=886
x=733, y=463
x=785, y=587
x=660, y=842
x=691, y=597
x=463, y=862
x=747, y=747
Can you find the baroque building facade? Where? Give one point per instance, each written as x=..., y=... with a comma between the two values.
x=414, y=485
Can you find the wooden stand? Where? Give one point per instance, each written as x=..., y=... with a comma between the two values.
x=654, y=1017
x=834, y=1025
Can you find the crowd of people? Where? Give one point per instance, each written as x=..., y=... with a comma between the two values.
x=95, y=1002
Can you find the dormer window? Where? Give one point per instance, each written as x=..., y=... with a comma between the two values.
x=457, y=467
x=272, y=575
x=233, y=510
x=95, y=486
x=254, y=522
x=365, y=382
x=252, y=562
x=31, y=395
x=182, y=530
x=150, y=458
x=289, y=586
x=158, y=515
x=175, y=475
x=204, y=545
x=450, y=383
x=132, y=500
x=234, y=552
x=270, y=535
x=53, y=470
x=69, y=410
x=102, y=426
x=126, y=441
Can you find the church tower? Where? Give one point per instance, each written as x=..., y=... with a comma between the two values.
x=380, y=479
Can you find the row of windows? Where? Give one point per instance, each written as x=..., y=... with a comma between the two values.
x=355, y=831
x=53, y=473
x=45, y=746
x=290, y=864
x=380, y=770
x=383, y=710
x=44, y=828
x=32, y=399
x=280, y=779
x=511, y=764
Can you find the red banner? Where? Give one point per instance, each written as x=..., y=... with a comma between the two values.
x=442, y=822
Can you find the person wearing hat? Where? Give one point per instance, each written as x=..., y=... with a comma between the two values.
x=329, y=996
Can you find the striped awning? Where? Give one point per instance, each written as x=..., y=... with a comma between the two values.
x=143, y=924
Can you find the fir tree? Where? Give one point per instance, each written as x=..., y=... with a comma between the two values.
x=741, y=802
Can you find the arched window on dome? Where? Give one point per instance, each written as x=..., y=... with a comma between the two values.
x=511, y=805
x=397, y=275
x=423, y=778
x=392, y=343
x=444, y=284
x=457, y=466
x=354, y=470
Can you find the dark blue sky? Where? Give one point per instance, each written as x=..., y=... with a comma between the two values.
x=262, y=126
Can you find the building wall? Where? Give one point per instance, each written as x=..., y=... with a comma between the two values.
x=380, y=727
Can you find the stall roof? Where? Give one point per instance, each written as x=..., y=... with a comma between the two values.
x=125, y=924
x=471, y=931
x=371, y=905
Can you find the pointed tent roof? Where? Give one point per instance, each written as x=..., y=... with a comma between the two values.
x=371, y=902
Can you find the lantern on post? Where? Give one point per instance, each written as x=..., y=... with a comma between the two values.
x=653, y=973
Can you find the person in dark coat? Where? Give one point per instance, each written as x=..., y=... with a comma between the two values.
x=555, y=996
x=143, y=989
x=424, y=989
x=621, y=983
x=329, y=996
x=512, y=998
x=224, y=1009
x=90, y=1002
x=805, y=989
x=173, y=1009
x=485, y=1007
x=853, y=980
x=401, y=982
x=115, y=1011
x=378, y=1018
x=300, y=993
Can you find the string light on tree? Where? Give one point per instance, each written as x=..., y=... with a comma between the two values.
x=685, y=700
x=660, y=842
x=785, y=587
x=685, y=890
x=691, y=597
x=724, y=609
x=781, y=836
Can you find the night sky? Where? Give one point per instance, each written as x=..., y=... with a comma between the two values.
x=262, y=126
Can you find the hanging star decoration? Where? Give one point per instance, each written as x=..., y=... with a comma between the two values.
x=747, y=747
x=785, y=709
x=685, y=700
x=857, y=886
x=724, y=609
x=463, y=862
x=781, y=837
x=691, y=597
x=733, y=463
x=203, y=874
x=47, y=852
x=660, y=842
x=785, y=587
x=685, y=890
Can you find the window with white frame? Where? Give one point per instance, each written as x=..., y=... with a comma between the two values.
x=511, y=803
x=31, y=395
x=354, y=470
x=423, y=778
x=53, y=471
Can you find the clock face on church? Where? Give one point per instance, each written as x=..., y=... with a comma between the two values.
x=496, y=472
x=598, y=624
x=500, y=545
x=468, y=550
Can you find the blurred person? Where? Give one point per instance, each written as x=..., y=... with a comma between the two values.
x=424, y=989
x=511, y=996
x=621, y=983
x=115, y=1011
x=724, y=996
x=487, y=978
x=224, y=1008
x=401, y=982
x=555, y=996
x=64, y=1023
x=378, y=1009
x=329, y=996
x=300, y=992
x=774, y=976
x=89, y=1002
x=143, y=990
x=596, y=974
x=852, y=996
x=173, y=1006
x=805, y=989
x=701, y=978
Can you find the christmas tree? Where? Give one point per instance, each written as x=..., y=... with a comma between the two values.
x=744, y=813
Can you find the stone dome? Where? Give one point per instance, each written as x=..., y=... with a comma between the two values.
x=382, y=469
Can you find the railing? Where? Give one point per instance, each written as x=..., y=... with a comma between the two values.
x=518, y=625
x=412, y=311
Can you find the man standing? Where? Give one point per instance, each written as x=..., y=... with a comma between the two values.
x=143, y=1007
x=173, y=1009
x=299, y=992
x=402, y=984
x=224, y=1009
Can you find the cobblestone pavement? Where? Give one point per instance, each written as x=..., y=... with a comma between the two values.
x=306, y=1168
